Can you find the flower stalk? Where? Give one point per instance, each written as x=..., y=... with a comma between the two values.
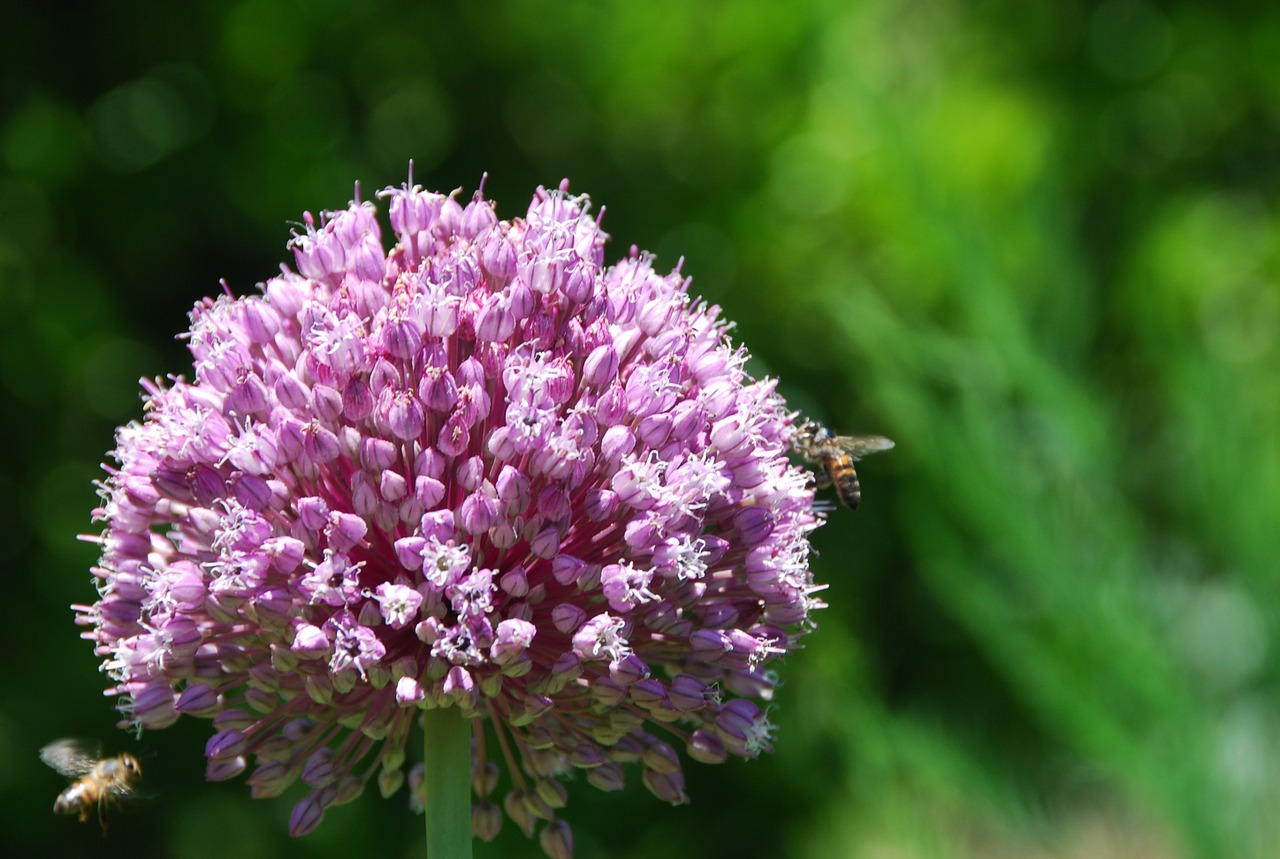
x=446, y=756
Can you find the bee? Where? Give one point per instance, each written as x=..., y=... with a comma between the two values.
x=837, y=454
x=97, y=782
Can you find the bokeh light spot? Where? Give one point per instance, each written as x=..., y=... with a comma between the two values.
x=1130, y=39
x=263, y=41
x=138, y=124
x=45, y=141
x=411, y=122
x=306, y=112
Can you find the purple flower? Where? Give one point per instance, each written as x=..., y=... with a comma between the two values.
x=479, y=470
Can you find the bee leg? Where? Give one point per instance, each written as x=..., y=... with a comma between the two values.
x=821, y=479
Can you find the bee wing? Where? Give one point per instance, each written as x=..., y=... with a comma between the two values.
x=859, y=446
x=71, y=757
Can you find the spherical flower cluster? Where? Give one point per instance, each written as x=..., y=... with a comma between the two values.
x=479, y=470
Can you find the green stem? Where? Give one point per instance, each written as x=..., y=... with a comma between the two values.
x=446, y=737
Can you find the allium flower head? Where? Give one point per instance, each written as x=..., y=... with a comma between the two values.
x=477, y=470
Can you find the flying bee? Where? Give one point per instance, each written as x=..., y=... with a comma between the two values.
x=837, y=454
x=97, y=782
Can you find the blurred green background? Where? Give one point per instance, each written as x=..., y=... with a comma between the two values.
x=1034, y=241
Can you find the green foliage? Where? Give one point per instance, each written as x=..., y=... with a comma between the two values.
x=1034, y=242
